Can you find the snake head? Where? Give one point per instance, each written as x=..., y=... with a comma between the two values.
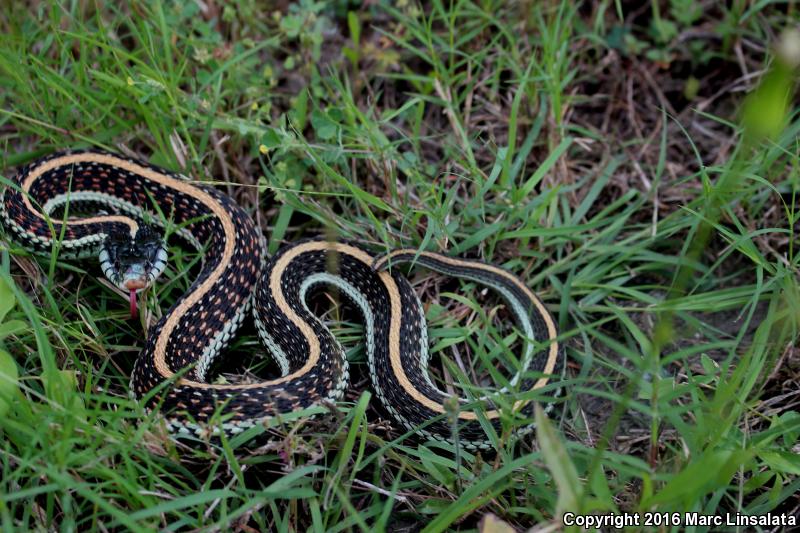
x=133, y=262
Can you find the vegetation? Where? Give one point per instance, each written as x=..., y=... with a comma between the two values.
x=606, y=152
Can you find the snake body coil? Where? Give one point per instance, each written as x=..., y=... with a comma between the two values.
x=236, y=275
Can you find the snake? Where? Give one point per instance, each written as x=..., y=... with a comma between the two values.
x=125, y=208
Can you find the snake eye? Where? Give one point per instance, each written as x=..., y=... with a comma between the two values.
x=117, y=238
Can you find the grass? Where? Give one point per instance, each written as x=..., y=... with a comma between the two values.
x=596, y=151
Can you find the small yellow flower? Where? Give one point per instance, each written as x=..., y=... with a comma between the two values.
x=130, y=81
x=254, y=106
x=263, y=149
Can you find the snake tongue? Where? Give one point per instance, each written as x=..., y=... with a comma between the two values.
x=134, y=308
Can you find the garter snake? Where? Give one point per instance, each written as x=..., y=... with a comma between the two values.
x=236, y=275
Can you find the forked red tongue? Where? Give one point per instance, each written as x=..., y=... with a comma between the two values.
x=134, y=309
